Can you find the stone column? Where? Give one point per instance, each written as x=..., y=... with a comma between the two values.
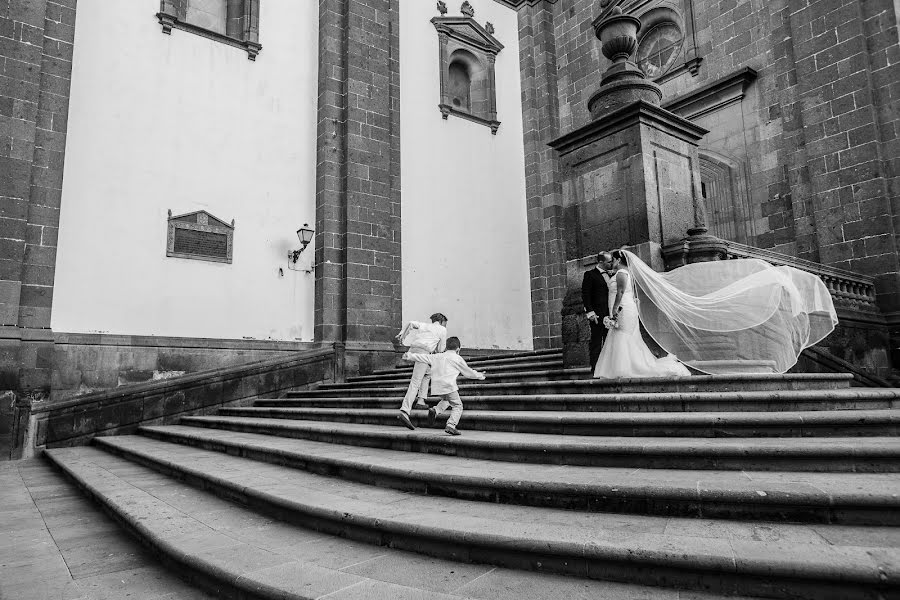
x=540, y=116
x=357, y=243
x=37, y=48
x=630, y=177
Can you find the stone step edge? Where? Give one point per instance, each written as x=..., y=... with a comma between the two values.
x=865, y=453
x=501, y=358
x=403, y=368
x=593, y=403
x=203, y=573
x=817, y=418
x=828, y=507
x=576, y=383
x=754, y=395
x=798, y=569
x=506, y=370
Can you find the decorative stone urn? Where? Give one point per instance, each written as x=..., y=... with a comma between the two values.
x=623, y=82
x=618, y=35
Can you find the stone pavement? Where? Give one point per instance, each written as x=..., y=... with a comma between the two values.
x=55, y=544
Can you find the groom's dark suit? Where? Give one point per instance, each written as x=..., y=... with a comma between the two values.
x=595, y=297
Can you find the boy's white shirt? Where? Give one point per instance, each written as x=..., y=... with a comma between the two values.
x=430, y=336
x=445, y=368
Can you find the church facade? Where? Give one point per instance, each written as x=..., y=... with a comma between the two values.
x=159, y=158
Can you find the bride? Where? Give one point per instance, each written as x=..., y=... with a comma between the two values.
x=718, y=317
x=625, y=354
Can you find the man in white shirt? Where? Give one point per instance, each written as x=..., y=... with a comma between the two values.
x=422, y=338
x=445, y=368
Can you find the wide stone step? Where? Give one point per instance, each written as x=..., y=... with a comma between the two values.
x=698, y=383
x=870, y=455
x=648, y=402
x=551, y=371
x=494, y=359
x=725, y=424
x=853, y=498
x=237, y=551
x=775, y=560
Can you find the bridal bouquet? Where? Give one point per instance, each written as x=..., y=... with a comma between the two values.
x=610, y=323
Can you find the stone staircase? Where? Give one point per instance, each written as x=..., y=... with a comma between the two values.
x=756, y=486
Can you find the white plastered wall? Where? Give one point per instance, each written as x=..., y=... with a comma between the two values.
x=181, y=122
x=464, y=238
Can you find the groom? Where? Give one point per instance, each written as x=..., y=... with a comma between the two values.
x=595, y=297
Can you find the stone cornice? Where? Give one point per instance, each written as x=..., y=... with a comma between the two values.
x=517, y=4
x=639, y=111
x=713, y=96
x=468, y=31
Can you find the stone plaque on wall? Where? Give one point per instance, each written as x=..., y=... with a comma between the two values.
x=200, y=236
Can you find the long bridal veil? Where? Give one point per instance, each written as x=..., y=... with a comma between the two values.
x=733, y=316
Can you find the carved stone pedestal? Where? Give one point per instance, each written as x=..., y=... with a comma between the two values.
x=629, y=178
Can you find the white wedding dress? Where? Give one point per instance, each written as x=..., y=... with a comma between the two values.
x=624, y=353
x=718, y=317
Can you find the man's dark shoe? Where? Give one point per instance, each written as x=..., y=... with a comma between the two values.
x=421, y=404
x=451, y=430
x=404, y=418
x=432, y=415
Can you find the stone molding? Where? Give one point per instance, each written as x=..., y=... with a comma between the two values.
x=636, y=112
x=714, y=96
x=517, y=4
x=154, y=341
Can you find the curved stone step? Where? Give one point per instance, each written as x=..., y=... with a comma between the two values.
x=854, y=498
x=236, y=551
x=778, y=560
x=697, y=383
x=500, y=374
x=822, y=423
x=491, y=359
x=757, y=401
x=869, y=455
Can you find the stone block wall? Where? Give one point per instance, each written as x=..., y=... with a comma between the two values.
x=819, y=148
x=36, y=43
x=88, y=363
x=74, y=422
x=358, y=295
x=541, y=123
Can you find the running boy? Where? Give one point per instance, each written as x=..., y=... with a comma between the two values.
x=445, y=368
x=422, y=338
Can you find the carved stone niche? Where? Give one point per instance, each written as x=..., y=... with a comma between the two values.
x=200, y=236
x=467, y=52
